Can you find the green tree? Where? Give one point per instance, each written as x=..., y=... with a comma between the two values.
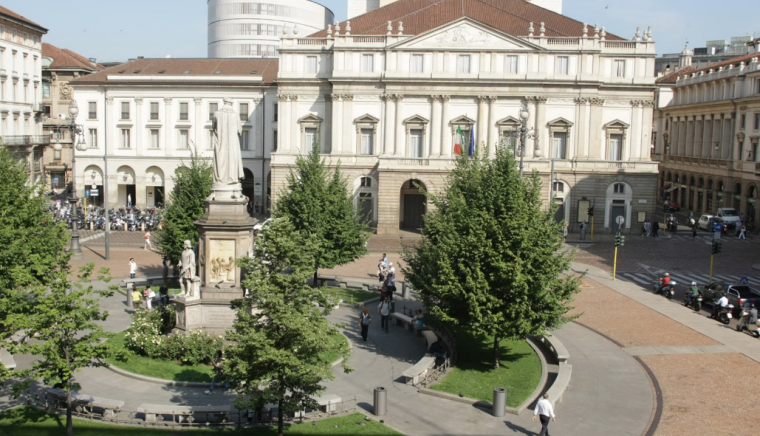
x=192, y=185
x=318, y=203
x=279, y=335
x=32, y=246
x=490, y=259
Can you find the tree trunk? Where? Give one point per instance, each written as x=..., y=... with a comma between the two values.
x=496, y=352
x=69, y=420
x=315, y=284
x=279, y=419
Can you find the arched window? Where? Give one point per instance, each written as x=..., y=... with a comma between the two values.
x=558, y=187
x=619, y=188
x=366, y=182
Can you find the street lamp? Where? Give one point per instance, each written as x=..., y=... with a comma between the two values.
x=523, y=133
x=77, y=141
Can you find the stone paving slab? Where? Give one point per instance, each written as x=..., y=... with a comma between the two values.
x=705, y=349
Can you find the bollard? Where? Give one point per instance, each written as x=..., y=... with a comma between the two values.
x=91, y=225
x=499, y=401
x=393, y=307
x=381, y=397
x=405, y=290
x=130, y=286
x=142, y=227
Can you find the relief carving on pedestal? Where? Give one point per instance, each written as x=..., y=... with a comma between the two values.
x=222, y=261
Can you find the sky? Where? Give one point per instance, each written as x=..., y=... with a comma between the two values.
x=112, y=30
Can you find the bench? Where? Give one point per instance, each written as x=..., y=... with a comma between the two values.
x=419, y=369
x=7, y=359
x=399, y=318
x=181, y=414
x=86, y=404
x=561, y=383
x=148, y=280
x=430, y=337
x=328, y=403
x=556, y=347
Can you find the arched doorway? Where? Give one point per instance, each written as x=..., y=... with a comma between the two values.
x=127, y=192
x=413, y=205
x=248, y=183
x=365, y=197
x=93, y=185
x=561, y=194
x=618, y=202
x=154, y=187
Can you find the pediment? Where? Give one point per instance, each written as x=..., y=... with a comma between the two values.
x=616, y=124
x=416, y=119
x=465, y=33
x=509, y=121
x=560, y=122
x=311, y=118
x=462, y=120
x=366, y=119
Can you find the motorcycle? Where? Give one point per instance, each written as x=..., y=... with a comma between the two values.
x=667, y=291
x=753, y=328
x=724, y=314
x=695, y=302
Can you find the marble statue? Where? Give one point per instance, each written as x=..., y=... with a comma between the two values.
x=228, y=163
x=187, y=273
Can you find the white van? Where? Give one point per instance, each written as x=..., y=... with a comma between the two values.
x=729, y=215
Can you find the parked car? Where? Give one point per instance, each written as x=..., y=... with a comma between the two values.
x=737, y=294
x=672, y=206
x=707, y=222
x=729, y=215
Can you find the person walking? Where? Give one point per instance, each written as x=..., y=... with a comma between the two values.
x=385, y=261
x=132, y=268
x=384, y=309
x=564, y=230
x=364, y=321
x=217, y=364
x=694, y=230
x=655, y=229
x=648, y=228
x=147, y=245
x=742, y=232
x=129, y=200
x=545, y=412
x=583, y=231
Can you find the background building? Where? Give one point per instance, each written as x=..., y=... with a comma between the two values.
x=359, y=7
x=714, y=51
x=709, y=124
x=147, y=116
x=253, y=29
x=386, y=101
x=20, y=90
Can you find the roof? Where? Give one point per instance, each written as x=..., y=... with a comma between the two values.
x=9, y=13
x=509, y=16
x=733, y=61
x=187, y=67
x=675, y=75
x=65, y=58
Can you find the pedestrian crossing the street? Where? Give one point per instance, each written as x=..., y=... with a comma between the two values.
x=682, y=278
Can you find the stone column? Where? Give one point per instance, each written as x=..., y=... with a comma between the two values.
x=699, y=128
x=706, y=135
x=675, y=126
x=258, y=129
x=399, y=148
x=168, y=143
x=493, y=134
x=715, y=136
x=348, y=128
x=446, y=144
x=582, y=131
x=595, y=138
x=647, y=126
x=481, y=137
x=137, y=131
x=389, y=125
x=283, y=123
x=294, y=127
x=541, y=130
x=198, y=131
x=683, y=136
x=435, y=128
x=337, y=120
x=632, y=145
x=109, y=133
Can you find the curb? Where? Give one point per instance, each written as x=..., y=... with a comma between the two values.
x=350, y=348
x=157, y=381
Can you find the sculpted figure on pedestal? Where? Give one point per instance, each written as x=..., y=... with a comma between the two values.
x=188, y=270
x=228, y=163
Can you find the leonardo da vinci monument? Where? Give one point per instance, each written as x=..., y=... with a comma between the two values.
x=225, y=234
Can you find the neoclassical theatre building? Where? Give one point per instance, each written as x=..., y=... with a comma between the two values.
x=385, y=93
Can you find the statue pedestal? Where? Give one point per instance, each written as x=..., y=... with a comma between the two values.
x=225, y=234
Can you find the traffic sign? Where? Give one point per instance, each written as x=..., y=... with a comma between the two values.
x=94, y=193
x=620, y=220
x=744, y=281
x=94, y=186
x=717, y=227
x=86, y=192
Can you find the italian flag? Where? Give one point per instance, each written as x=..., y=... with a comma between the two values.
x=459, y=142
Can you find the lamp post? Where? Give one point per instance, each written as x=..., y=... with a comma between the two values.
x=77, y=142
x=523, y=134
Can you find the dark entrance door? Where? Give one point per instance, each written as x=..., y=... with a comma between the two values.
x=560, y=214
x=414, y=209
x=131, y=192
x=365, y=207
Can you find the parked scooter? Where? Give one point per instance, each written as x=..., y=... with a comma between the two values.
x=725, y=314
x=667, y=291
x=753, y=328
x=694, y=302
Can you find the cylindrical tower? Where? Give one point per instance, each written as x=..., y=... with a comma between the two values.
x=239, y=29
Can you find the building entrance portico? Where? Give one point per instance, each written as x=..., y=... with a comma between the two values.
x=413, y=205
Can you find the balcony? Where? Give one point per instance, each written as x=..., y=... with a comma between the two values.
x=16, y=140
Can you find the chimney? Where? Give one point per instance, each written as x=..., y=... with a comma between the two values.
x=94, y=60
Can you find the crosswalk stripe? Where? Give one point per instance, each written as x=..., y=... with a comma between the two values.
x=643, y=278
x=632, y=278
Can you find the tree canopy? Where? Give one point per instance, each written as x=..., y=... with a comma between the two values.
x=192, y=185
x=490, y=258
x=318, y=203
x=279, y=334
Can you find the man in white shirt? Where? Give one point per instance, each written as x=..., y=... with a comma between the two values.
x=719, y=305
x=132, y=268
x=544, y=411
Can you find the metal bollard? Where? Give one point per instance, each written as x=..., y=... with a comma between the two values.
x=405, y=290
x=381, y=398
x=499, y=401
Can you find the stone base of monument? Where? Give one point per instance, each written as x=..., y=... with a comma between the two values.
x=211, y=316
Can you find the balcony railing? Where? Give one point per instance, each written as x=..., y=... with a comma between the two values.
x=26, y=140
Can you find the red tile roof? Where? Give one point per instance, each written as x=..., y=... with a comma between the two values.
x=11, y=14
x=672, y=77
x=510, y=16
x=733, y=61
x=265, y=68
x=65, y=58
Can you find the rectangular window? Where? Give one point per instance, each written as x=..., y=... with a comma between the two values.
x=310, y=137
x=463, y=64
x=757, y=121
x=57, y=180
x=511, y=66
x=45, y=89
x=742, y=120
x=93, y=138
x=560, y=145
x=415, y=142
x=184, y=139
x=212, y=108
x=619, y=68
x=418, y=63
x=562, y=64
x=508, y=140
x=154, y=138
x=244, y=139
x=125, y=140
x=184, y=112
x=616, y=147
x=276, y=106
x=244, y=112
x=92, y=110
x=154, y=110
x=124, y=110
x=368, y=63
x=367, y=137
x=274, y=140
x=311, y=64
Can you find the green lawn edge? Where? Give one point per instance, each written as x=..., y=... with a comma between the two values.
x=27, y=421
x=353, y=296
x=175, y=371
x=473, y=375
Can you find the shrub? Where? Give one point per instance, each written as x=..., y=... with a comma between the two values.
x=144, y=338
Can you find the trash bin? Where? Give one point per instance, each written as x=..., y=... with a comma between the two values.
x=405, y=288
x=499, y=401
x=393, y=306
x=381, y=398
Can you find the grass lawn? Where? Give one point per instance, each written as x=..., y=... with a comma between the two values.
x=176, y=371
x=26, y=421
x=474, y=377
x=352, y=295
